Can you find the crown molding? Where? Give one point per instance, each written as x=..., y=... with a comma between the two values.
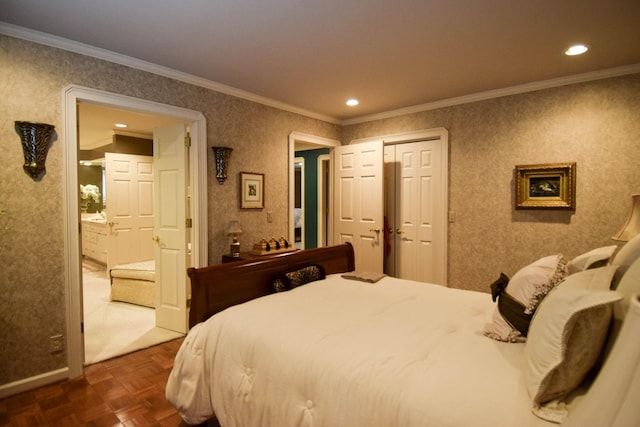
x=107, y=55
x=512, y=90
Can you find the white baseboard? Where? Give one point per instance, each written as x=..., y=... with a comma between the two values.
x=27, y=384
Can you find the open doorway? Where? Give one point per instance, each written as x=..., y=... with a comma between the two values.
x=311, y=219
x=115, y=172
x=195, y=206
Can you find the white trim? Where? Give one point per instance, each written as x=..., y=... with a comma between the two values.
x=309, y=139
x=106, y=55
x=512, y=90
x=31, y=383
x=321, y=201
x=302, y=212
x=95, y=52
x=71, y=95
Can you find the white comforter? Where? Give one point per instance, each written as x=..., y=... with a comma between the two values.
x=345, y=353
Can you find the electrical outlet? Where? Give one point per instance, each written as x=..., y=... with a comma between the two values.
x=55, y=344
x=269, y=216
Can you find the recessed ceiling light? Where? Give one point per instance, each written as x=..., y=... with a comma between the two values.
x=577, y=49
x=352, y=102
x=121, y=125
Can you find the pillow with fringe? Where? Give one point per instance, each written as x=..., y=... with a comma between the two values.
x=526, y=289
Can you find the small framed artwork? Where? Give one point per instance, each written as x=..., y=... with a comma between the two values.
x=546, y=186
x=251, y=190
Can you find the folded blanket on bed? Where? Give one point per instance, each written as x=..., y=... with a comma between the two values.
x=364, y=276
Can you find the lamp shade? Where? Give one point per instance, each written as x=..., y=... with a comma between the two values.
x=632, y=225
x=234, y=228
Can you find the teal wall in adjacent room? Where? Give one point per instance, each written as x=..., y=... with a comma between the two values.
x=311, y=195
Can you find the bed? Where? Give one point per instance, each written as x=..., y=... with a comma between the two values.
x=134, y=283
x=381, y=351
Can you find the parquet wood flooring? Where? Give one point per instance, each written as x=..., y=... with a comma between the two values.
x=124, y=391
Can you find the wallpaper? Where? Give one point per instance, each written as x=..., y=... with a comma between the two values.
x=594, y=124
x=32, y=307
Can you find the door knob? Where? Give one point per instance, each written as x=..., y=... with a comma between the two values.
x=374, y=230
x=399, y=231
x=156, y=239
x=111, y=223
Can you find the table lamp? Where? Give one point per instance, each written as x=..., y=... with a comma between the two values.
x=234, y=230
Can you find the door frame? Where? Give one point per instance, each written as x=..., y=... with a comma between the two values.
x=441, y=134
x=307, y=140
x=71, y=96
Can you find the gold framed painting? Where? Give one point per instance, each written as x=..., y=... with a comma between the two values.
x=251, y=190
x=546, y=186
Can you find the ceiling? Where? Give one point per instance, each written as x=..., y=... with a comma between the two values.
x=314, y=55
x=97, y=124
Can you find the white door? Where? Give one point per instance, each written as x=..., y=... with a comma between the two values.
x=129, y=192
x=171, y=238
x=358, y=202
x=418, y=216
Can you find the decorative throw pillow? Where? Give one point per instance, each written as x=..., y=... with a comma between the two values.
x=565, y=340
x=521, y=297
x=598, y=257
x=302, y=276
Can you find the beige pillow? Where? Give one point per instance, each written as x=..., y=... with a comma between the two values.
x=528, y=286
x=565, y=339
x=595, y=279
x=596, y=257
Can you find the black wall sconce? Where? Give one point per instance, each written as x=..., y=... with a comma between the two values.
x=221, y=155
x=35, y=146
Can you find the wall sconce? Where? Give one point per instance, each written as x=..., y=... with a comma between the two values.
x=632, y=226
x=221, y=155
x=234, y=230
x=35, y=146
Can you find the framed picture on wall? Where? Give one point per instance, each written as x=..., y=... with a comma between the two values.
x=251, y=190
x=546, y=186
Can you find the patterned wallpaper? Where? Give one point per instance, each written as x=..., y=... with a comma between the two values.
x=594, y=124
x=32, y=250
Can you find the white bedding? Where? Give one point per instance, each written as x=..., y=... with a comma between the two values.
x=346, y=353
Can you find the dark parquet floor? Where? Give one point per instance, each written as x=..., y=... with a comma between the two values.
x=124, y=391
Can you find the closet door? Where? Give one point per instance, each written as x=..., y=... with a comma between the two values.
x=419, y=217
x=358, y=202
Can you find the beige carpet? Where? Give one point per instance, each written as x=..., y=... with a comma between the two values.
x=115, y=328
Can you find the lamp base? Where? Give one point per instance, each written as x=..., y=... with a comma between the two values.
x=235, y=249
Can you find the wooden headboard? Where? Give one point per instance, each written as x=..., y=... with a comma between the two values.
x=219, y=286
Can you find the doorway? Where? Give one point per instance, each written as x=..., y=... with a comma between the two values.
x=72, y=96
x=317, y=190
x=384, y=252
x=118, y=310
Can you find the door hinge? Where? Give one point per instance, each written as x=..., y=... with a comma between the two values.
x=187, y=140
x=189, y=222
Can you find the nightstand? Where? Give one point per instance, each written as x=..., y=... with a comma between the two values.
x=242, y=256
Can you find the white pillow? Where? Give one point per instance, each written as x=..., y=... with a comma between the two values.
x=598, y=256
x=528, y=286
x=565, y=339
